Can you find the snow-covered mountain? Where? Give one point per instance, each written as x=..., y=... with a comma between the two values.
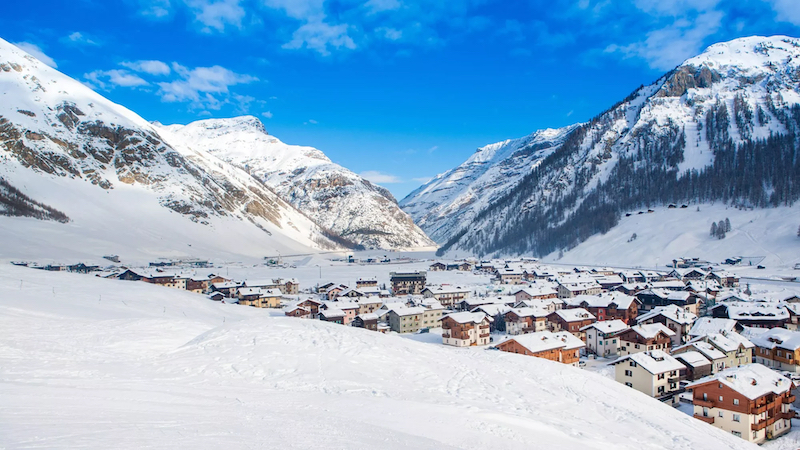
x=453, y=198
x=722, y=126
x=107, y=177
x=331, y=195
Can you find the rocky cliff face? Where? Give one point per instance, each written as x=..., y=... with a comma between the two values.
x=329, y=194
x=723, y=126
x=55, y=127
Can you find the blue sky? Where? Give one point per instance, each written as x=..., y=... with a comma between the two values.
x=397, y=90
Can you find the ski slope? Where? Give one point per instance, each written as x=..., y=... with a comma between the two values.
x=93, y=363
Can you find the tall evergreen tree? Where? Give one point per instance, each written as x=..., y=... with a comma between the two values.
x=713, y=229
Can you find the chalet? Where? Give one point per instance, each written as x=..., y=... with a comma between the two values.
x=525, y=320
x=778, y=348
x=541, y=274
x=751, y=402
x=332, y=292
x=448, y=296
x=561, y=347
x=471, y=303
x=368, y=321
x=608, y=306
x=609, y=282
x=216, y=296
x=752, y=314
x=669, y=285
x=323, y=288
x=738, y=350
x=228, y=288
x=653, y=298
x=711, y=353
x=437, y=267
x=299, y=312
x=602, y=338
x=567, y=290
x=708, y=325
x=642, y=338
x=550, y=304
x=654, y=373
x=406, y=320
x=212, y=278
x=571, y=320
x=366, y=282
x=312, y=305
x=407, y=283
x=510, y=276
x=725, y=279
x=631, y=288
x=688, y=274
x=535, y=292
x=697, y=365
x=331, y=314
x=130, y=275
x=368, y=305
x=260, y=298
x=349, y=308
x=466, y=329
x=793, y=323
x=198, y=285
x=350, y=293
x=431, y=314
x=674, y=318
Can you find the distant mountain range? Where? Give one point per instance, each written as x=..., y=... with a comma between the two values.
x=723, y=126
x=71, y=156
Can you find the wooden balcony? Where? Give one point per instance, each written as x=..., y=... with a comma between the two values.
x=708, y=420
x=758, y=409
x=703, y=403
x=790, y=399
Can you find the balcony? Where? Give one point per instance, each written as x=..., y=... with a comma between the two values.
x=758, y=409
x=790, y=399
x=708, y=420
x=703, y=403
x=484, y=335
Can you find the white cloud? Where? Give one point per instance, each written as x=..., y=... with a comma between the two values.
x=267, y=114
x=380, y=178
x=787, y=11
x=155, y=9
x=320, y=36
x=675, y=7
x=391, y=34
x=80, y=39
x=104, y=79
x=376, y=6
x=311, y=121
x=205, y=87
x=305, y=10
x=422, y=180
x=151, y=67
x=665, y=48
x=217, y=14
x=36, y=51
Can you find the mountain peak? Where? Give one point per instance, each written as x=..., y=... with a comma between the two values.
x=749, y=53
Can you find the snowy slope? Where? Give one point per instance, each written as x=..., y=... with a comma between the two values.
x=455, y=197
x=331, y=195
x=672, y=141
x=92, y=363
x=124, y=188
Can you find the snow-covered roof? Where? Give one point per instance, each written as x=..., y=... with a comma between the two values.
x=708, y=325
x=368, y=316
x=467, y=317
x=332, y=312
x=693, y=358
x=574, y=314
x=447, y=290
x=705, y=348
x=778, y=337
x=622, y=301
x=729, y=341
x=651, y=330
x=530, y=312
x=537, y=290
x=608, y=326
x=751, y=380
x=668, y=284
x=672, y=312
x=755, y=310
x=409, y=311
x=653, y=361
x=492, y=309
x=545, y=340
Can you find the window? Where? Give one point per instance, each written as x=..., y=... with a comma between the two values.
x=661, y=376
x=720, y=398
x=628, y=373
x=736, y=433
x=755, y=434
x=720, y=414
x=637, y=346
x=614, y=341
x=661, y=389
x=737, y=417
x=736, y=401
x=599, y=342
x=705, y=396
x=705, y=412
x=628, y=384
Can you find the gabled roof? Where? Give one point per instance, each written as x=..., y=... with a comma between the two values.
x=608, y=327
x=671, y=312
x=751, y=380
x=574, y=314
x=529, y=312
x=729, y=342
x=778, y=337
x=651, y=330
x=546, y=340
x=705, y=348
x=467, y=317
x=755, y=310
x=693, y=358
x=492, y=309
x=653, y=361
x=707, y=325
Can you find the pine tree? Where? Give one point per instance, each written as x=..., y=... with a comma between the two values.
x=798, y=231
x=727, y=224
x=713, y=229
